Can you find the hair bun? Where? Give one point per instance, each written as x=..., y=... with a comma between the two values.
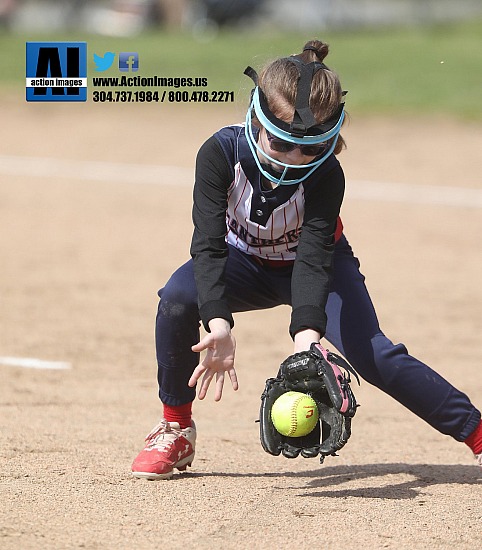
x=319, y=48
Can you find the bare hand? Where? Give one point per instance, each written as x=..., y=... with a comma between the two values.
x=219, y=360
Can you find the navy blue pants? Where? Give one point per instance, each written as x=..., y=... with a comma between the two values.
x=352, y=328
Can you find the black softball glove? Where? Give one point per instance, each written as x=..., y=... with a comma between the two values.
x=317, y=373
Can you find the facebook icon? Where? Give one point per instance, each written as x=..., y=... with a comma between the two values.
x=128, y=61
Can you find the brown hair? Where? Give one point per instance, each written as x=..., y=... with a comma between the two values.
x=278, y=80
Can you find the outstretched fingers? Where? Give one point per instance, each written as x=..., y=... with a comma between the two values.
x=220, y=346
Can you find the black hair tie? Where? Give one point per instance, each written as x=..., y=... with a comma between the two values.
x=312, y=48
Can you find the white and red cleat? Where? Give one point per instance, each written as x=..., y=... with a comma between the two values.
x=167, y=447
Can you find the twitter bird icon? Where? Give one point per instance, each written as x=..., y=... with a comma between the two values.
x=103, y=62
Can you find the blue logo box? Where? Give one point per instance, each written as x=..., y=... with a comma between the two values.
x=56, y=71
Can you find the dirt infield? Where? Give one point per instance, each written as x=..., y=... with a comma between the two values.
x=85, y=246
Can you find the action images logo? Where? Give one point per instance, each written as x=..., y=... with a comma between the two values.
x=56, y=71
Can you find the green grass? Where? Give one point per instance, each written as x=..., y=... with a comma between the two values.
x=431, y=70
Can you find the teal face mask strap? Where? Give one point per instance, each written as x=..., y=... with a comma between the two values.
x=254, y=147
x=278, y=132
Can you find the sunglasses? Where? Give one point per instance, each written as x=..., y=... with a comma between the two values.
x=282, y=146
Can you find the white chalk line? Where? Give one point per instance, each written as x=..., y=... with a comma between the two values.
x=42, y=167
x=32, y=363
x=415, y=194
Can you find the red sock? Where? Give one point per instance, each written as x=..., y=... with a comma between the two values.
x=181, y=414
x=474, y=441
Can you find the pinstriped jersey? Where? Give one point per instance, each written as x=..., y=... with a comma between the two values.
x=264, y=223
x=277, y=237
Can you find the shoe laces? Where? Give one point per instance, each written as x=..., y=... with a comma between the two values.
x=163, y=435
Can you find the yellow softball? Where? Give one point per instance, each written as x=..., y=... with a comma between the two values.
x=294, y=414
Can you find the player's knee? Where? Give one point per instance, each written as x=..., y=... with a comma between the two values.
x=378, y=361
x=177, y=299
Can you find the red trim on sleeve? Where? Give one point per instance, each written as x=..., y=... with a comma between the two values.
x=339, y=229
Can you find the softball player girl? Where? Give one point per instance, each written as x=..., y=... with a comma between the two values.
x=267, y=232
